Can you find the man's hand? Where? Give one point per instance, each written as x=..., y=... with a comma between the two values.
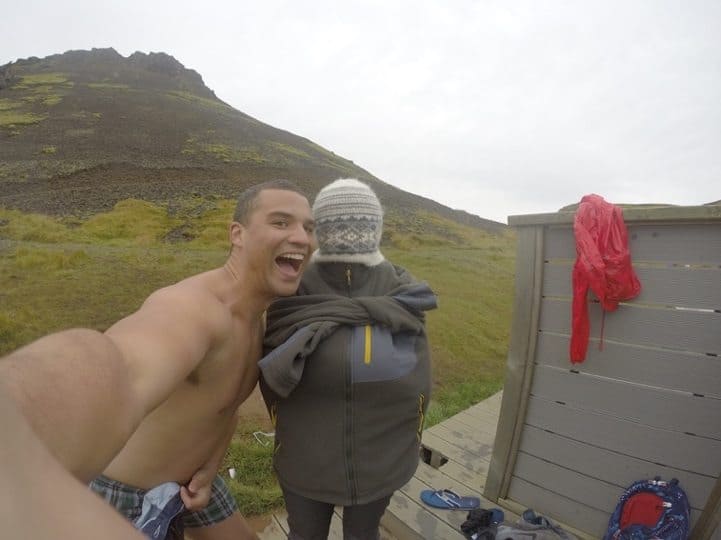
x=196, y=495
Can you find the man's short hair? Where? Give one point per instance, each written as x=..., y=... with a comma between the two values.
x=248, y=199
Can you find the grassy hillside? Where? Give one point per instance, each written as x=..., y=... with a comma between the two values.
x=59, y=272
x=74, y=111
x=83, y=130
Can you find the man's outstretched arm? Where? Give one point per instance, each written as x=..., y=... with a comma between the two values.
x=84, y=393
x=75, y=392
x=39, y=498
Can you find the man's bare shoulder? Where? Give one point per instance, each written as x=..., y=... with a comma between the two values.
x=175, y=330
x=200, y=290
x=188, y=309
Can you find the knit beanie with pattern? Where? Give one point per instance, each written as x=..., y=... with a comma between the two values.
x=348, y=223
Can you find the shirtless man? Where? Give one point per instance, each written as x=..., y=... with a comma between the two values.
x=154, y=398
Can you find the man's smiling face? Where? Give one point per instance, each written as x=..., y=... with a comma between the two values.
x=278, y=239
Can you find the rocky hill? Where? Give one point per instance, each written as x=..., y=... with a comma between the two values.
x=81, y=130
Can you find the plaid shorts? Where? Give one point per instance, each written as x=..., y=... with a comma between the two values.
x=129, y=501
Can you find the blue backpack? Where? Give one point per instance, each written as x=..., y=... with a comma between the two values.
x=651, y=509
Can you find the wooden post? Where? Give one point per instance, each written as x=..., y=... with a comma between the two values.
x=709, y=524
x=521, y=352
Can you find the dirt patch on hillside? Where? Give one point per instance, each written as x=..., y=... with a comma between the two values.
x=100, y=188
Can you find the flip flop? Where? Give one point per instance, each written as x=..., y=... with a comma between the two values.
x=445, y=498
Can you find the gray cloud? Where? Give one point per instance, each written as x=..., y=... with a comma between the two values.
x=494, y=107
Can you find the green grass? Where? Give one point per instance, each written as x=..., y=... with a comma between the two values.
x=10, y=118
x=51, y=100
x=287, y=149
x=59, y=273
x=33, y=227
x=44, y=79
x=108, y=86
x=206, y=102
x=223, y=152
x=9, y=104
x=132, y=222
x=468, y=332
x=255, y=486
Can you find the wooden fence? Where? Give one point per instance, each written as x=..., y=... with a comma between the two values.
x=570, y=437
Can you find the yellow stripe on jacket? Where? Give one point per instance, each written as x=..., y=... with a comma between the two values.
x=368, y=346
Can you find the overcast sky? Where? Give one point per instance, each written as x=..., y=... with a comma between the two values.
x=491, y=106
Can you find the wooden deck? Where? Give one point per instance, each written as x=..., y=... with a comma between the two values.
x=459, y=451
x=278, y=528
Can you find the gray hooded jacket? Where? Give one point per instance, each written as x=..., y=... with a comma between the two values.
x=347, y=380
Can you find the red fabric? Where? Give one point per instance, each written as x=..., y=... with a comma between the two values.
x=642, y=509
x=603, y=264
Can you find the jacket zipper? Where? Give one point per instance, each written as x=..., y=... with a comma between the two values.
x=350, y=468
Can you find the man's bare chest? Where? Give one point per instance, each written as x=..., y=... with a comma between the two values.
x=229, y=374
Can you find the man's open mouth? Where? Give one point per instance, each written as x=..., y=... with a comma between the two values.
x=290, y=260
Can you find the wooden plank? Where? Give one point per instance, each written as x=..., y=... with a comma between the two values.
x=671, y=328
x=483, y=413
x=685, y=286
x=429, y=478
x=274, y=530
x=458, y=474
x=558, y=508
x=385, y=534
x=519, y=366
x=567, y=511
x=674, y=370
x=715, y=534
x=465, y=459
x=591, y=492
x=335, y=532
x=479, y=417
x=491, y=404
x=607, y=466
x=483, y=431
x=631, y=214
x=452, y=518
x=407, y=518
x=484, y=421
x=465, y=440
x=459, y=449
x=481, y=435
x=667, y=448
x=278, y=527
x=673, y=243
x=395, y=525
x=514, y=506
x=709, y=523
x=647, y=405
x=391, y=522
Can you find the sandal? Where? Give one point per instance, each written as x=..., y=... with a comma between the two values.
x=447, y=499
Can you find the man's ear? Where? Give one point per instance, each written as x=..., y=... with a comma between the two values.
x=235, y=234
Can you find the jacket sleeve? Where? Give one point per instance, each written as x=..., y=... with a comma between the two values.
x=283, y=366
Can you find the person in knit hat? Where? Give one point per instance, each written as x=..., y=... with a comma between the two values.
x=349, y=223
x=346, y=374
